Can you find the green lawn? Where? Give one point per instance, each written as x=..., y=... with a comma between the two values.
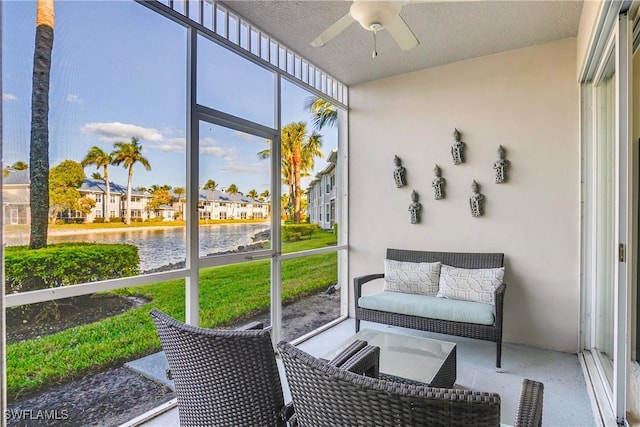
x=227, y=294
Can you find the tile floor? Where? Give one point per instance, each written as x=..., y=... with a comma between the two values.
x=566, y=400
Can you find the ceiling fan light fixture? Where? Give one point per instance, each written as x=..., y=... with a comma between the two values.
x=368, y=13
x=375, y=16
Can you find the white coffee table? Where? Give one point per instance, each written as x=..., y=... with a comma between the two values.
x=422, y=360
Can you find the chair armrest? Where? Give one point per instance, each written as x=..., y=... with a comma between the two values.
x=251, y=326
x=359, y=281
x=529, y=412
x=347, y=353
x=499, y=303
x=365, y=362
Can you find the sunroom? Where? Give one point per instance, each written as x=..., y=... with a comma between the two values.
x=216, y=95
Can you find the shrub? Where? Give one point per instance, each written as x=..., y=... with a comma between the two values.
x=67, y=264
x=98, y=220
x=115, y=219
x=297, y=231
x=136, y=219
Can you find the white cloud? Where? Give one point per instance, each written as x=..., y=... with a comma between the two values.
x=109, y=131
x=208, y=146
x=246, y=136
x=9, y=97
x=216, y=151
x=171, y=144
x=74, y=98
x=246, y=168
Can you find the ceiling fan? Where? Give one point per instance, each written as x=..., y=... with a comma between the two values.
x=375, y=16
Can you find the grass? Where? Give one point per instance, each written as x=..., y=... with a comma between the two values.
x=227, y=294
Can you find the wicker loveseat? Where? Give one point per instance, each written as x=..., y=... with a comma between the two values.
x=433, y=315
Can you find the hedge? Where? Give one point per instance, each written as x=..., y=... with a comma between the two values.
x=297, y=231
x=67, y=264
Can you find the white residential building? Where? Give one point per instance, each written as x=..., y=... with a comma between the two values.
x=15, y=198
x=321, y=195
x=222, y=205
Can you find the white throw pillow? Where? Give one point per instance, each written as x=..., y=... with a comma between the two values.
x=411, y=277
x=470, y=284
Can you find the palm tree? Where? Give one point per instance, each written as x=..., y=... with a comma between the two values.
x=265, y=196
x=233, y=190
x=179, y=191
x=286, y=166
x=39, y=142
x=212, y=186
x=17, y=166
x=101, y=159
x=20, y=165
x=324, y=113
x=298, y=153
x=128, y=154
x=157, y=187
x=285, y=206
x=253, y=194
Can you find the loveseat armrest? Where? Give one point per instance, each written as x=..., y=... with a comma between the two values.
x=361, y=280
x=499, y=301
x=529, y=412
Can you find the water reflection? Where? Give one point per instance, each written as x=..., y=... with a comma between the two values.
x=159, y=247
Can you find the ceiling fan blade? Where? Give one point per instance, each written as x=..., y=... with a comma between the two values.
x=338, y=27
x=402, y=34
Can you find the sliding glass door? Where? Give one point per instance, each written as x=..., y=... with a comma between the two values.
x=605, y=255
x=607, y=217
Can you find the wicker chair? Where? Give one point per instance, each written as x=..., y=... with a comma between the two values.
x=223, y=377
x=230, y=377
x=326, y=396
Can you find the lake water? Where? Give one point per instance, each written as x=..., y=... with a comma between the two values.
x=159, y=247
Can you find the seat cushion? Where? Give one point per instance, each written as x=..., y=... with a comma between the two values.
x=430, y=306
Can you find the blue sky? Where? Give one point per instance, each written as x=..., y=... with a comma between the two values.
x=119, y=70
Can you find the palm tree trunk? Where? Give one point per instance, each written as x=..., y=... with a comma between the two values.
x=292, y=185
x=127, y=218
x=107, y=215
x=297, y=162
x=39, y=144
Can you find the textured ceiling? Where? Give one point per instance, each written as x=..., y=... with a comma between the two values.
x=448, y=32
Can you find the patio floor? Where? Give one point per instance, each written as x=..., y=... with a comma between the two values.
x=566, y=399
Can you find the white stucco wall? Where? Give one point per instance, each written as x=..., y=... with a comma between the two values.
x=525, y=100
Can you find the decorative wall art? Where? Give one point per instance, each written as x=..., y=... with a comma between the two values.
x=438, y=184
x=500, y=166
x=457, y=149
x=476, y=201
x=414, y=208
x=400, y=173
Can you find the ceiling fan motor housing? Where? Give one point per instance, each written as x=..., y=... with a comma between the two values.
x=369, y=13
